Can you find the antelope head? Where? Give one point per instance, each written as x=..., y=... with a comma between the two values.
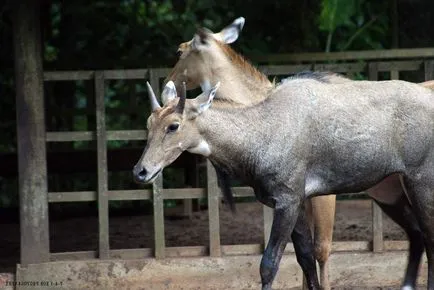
x=199, y=55
x=172, y=129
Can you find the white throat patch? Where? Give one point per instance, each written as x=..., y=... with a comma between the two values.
x=202, y=148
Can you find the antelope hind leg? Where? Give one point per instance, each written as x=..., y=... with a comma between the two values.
x=420, y=190
x=402, y=213
x=323, y=214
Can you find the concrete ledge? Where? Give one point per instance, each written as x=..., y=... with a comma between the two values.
x=6, y=279
x=232, y=272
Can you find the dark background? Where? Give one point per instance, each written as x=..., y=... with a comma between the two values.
x=81, y=35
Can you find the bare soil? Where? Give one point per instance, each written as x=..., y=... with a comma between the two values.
x=353, y=223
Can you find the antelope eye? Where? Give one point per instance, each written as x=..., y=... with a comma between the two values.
x=179, y=52
x=173, y=127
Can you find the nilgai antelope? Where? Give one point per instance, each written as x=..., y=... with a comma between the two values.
x=209, y=57
x=309, y=137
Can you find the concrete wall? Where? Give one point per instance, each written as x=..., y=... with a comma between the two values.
x=234, y=272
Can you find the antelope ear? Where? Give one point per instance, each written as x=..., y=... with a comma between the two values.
x=204, y=100
x=231, y=32
x=169, y=92
x=200, y=39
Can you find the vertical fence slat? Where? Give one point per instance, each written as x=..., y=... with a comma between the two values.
x=268, y=220
x=187, y=208
x=157, y=194
x=377, y=228
x=394, y=74
x=101, y=141
x=31, y=146
x=158, y=204
x=429, y=70
x=373, y=71
x=213, y=211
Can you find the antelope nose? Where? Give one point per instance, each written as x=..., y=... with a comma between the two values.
x=139, y=173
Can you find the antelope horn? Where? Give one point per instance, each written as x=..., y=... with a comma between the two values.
x=154, y=103
x=181, y=102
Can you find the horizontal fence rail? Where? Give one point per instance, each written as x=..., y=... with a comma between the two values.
x=347, y=55
x=226, y=250
x=373, y=64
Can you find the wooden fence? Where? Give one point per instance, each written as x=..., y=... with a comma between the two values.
x=349, y=63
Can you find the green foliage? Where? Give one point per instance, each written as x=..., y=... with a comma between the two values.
x=336, y=13
x=127, y=33
x=354, y=24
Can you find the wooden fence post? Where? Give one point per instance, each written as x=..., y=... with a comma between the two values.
x=101, y=140
x=213, y=210
x=377, y=228
x=158, y=204
x=429, y=70
x=373, y=71
x=32, y=164
x=377, y=214
x=157, y=193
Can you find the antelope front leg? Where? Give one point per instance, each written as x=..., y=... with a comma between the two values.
x=286, y=211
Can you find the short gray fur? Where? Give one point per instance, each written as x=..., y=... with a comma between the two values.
x=311, y=137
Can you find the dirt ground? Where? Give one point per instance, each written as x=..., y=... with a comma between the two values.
x=353, y=223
